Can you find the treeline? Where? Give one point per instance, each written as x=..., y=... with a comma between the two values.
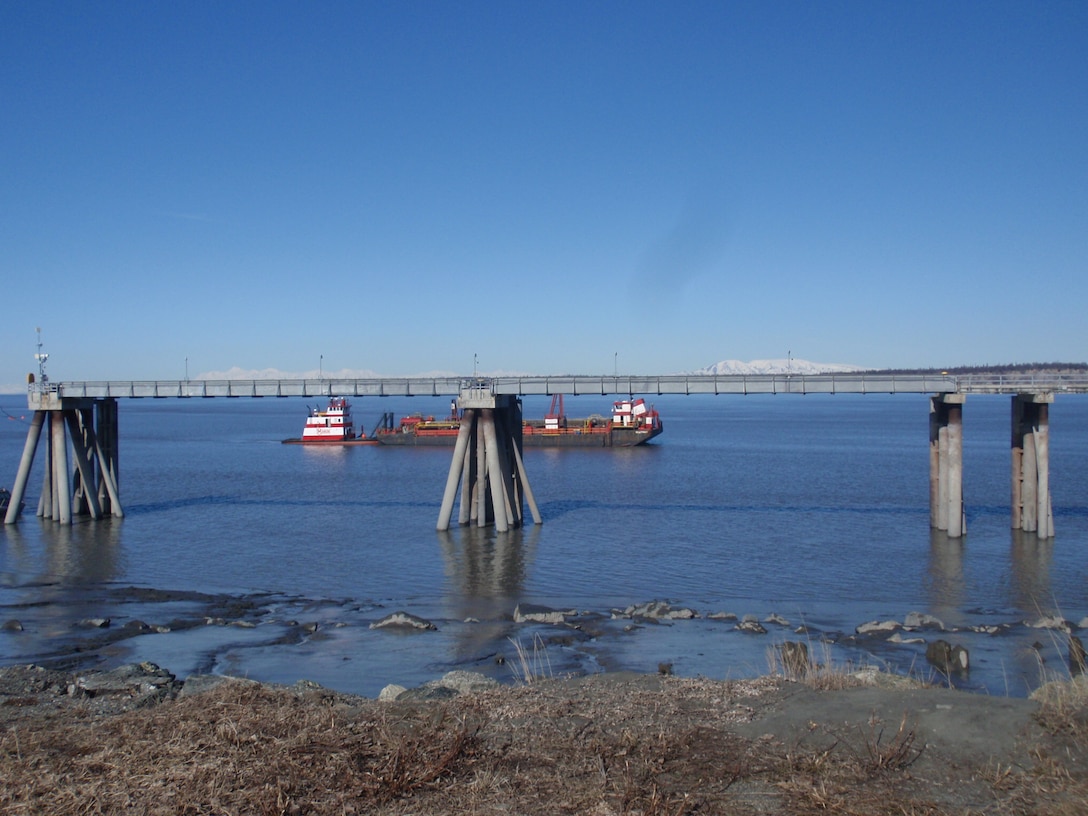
x=1009, y=368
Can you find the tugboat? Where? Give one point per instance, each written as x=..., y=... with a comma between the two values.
x=332, y=426
x=632, y=423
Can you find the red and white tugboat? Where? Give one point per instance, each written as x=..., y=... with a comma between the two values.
x=332, y=426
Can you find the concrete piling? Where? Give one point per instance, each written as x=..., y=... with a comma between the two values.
x=92, y=489
x=1031, y=505
x=487, y=464
x=946, y=510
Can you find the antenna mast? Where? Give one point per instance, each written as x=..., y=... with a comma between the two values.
x=41, y=357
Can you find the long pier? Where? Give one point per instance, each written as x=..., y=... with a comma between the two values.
x=852, y=383
x=488, y=457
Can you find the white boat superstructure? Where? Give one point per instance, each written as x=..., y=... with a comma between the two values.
x=334, y=424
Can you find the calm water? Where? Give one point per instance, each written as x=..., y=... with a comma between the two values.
x=814, y=508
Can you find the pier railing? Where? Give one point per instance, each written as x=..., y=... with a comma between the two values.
x=851, y=383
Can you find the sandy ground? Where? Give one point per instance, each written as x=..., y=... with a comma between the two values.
x=604, y=744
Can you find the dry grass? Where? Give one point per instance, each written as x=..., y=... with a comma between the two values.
x=1063, y=707
x=241, y=749
x=531, y=664
x=899, y=751
x=655, y=746
x=814, y=665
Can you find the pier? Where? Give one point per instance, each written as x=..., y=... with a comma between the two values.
x=487, y=463
x=487, y=470
x=89, y=428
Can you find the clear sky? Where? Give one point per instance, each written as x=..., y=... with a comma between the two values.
x=555, y=187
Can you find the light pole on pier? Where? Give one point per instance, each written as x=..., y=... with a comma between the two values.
x=41, y=357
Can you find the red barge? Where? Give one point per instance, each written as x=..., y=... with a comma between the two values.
x=632, y=423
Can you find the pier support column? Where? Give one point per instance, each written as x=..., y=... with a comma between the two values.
x=946, y=464
x=1031, y=510
x=91, y=490
x=487, y=464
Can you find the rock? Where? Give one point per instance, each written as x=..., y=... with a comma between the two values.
x=136, y=626
x=532, y=613
x=985, y=628
x=428, y=691
x=880, y=677
x=659, y=610
x=948, y=658
x=874, y=627
x=794, y=655
x=403, y=620
x=939, y=653
x=729, y=616
x=752, y=627
x=1076, y=655
x=132, y=679
x=200, y=683
x=450, y=685
x=1051, y=622
x=94, y=623
x=918, y=620
x=1083, y=623
x=961, y=660
x=391, y=692
x=11, y=626
x=898, y=638
x=776, y=619
x=467, y=682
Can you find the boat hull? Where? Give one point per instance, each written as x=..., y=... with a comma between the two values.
x=331, y=443
x=615, y=438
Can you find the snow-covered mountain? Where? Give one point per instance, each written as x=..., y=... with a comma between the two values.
x=790, y=365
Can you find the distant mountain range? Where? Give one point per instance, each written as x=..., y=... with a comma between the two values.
x=789, y=365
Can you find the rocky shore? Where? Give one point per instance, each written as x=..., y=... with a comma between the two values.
x=137, y=740
x=359, y=645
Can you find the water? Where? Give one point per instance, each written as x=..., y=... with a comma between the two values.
x=814, y=508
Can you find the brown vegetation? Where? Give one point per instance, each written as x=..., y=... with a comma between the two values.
x=601, y=745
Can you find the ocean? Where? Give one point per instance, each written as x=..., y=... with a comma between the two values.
x=244, y=556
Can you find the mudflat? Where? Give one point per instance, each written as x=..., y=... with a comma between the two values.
x=603, y=744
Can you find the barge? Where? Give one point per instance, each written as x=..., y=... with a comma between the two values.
x=632, y=423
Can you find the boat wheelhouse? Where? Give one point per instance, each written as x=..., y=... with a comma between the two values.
x=330, y=425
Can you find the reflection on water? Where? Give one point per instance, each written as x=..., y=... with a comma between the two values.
x=81, y=553
x=945, y=579
x=486, y=569
x=486, y=575
x=85, y=553
x=1031, y=557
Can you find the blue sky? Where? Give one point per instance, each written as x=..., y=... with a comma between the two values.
x=395, y=187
